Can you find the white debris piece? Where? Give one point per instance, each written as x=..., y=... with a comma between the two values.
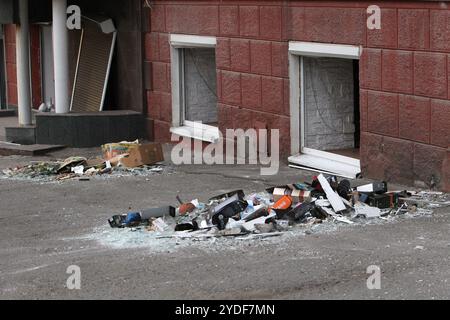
x=78, y=170
x=250, y=226
x=196, y=203
x=323, y=203
x=160, y=225
x=337, y=217
x=367, y=211
x=203, y=224
x=91, y=171
x=234, y=224
x=333, y=197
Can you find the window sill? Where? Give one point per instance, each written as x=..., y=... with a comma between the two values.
x=328, y=165
x=199, y=132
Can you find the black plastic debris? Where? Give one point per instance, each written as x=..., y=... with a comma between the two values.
x=226, y=210
x=186, y=226
x=344, y=189
x=300, y=211
x=319, y=213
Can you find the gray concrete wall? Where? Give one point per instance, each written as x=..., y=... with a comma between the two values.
x=91, y=129
x=329, y=103
x=200, y=85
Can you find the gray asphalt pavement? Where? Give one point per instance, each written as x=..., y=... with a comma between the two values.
x=47, y=227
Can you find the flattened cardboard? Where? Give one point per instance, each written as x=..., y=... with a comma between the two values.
x=145, y=154
x=112, y=150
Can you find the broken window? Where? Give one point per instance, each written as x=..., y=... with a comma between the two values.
x=194, y=87
x=325, y=91
x=199, y=85
x=330, y=104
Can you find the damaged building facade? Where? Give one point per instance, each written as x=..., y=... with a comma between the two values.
x=345, y=98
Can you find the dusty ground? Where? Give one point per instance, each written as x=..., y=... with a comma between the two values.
x=46, y=227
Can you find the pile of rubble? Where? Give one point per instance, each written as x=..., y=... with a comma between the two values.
x=276, y=210
x=125, y=158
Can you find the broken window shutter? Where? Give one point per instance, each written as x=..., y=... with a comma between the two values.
x=94, y=63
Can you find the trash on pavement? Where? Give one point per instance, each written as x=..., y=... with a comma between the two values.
x=78, y=170
x=157, y=212
x=143, y=154
x=366, y=211
x=274, y=212
x=376, y=187
x=121, y=158
x=158, y=225
x=70, y=163
x=133, y=219
x=112, y=150
x=296, y=194
x=251, y=225
x=333, y=197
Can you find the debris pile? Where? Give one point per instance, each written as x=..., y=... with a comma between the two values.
x=124, y=157
x=278, y=209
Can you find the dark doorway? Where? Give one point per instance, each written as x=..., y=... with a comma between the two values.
x=125, y=90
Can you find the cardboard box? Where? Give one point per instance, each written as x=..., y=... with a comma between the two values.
x=297, y=195
x=279, y=193
x=144, y=154
x=112, y=150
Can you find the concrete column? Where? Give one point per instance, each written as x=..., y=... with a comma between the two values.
x=23, y=65
x=61, y=56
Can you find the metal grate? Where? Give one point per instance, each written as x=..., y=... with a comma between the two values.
x=93, y=67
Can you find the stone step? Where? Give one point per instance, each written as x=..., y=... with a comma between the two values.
x=9, y=149
x=7, y=113
x=21, y=135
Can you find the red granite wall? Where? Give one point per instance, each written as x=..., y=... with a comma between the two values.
x=35, y=60
x=404, y=72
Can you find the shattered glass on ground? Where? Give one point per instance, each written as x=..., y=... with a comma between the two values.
x=46, y=172
x=167, y=242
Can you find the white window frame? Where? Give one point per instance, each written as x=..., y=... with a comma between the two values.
x=180, y=125
x=301, y=155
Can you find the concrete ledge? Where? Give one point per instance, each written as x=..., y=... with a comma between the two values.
x=86, y=130
x=21, y=135
x=8, y=149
